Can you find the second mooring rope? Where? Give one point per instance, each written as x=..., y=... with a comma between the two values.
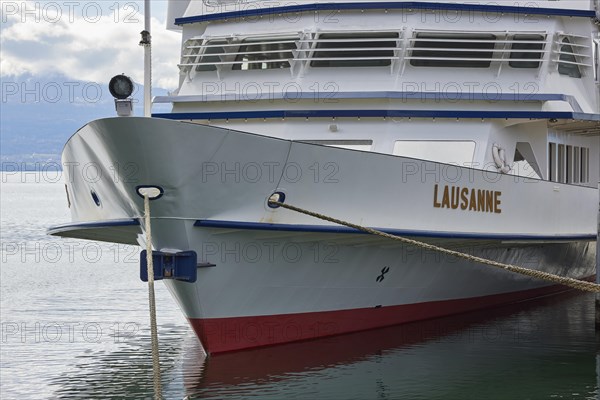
x=562, y=280
x=152, y=301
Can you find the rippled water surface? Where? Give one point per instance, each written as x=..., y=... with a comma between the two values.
x=75, y=325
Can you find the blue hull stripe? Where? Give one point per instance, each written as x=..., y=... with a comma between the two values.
x=381, y=113
x=93, y=225
x=334, y=229
x=323, y=229
x=378, y=5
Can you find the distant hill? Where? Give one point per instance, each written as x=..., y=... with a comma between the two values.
x=38, y=115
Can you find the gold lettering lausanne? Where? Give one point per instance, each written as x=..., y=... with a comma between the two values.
x=446, y=198
x=464, y=199
x=473, y=202
x=497, y=202
x=489, y=201
x=481, y=200
x=436, y=204
x=455, y=197
x=470, y=199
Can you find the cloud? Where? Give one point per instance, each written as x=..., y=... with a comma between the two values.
x=91, y=41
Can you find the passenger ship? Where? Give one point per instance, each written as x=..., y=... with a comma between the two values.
x=472, y=126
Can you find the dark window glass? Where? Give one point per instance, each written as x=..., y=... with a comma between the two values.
x=571, y=70
x=208, y=57
x=272, y=54
x=346, y=50
x=528, y=51
x=454, y=48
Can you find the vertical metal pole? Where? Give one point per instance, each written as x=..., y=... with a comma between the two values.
x=147, y=62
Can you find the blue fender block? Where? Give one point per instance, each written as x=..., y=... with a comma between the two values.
x=181, y=266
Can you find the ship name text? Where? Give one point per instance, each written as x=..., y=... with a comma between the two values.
x=467, y=199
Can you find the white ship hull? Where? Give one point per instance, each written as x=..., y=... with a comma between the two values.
x=270, y=276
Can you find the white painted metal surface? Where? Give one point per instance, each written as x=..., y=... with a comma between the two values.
x=328, y=111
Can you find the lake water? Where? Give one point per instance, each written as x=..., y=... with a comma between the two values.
x=74, y=318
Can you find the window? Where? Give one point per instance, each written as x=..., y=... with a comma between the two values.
x=265, y=54
x=568, y=164
x=552, y=156
x=208, y=59
x=527, y=51
x=525, y=163
x=585, y=165
x=567, y=64
x=561, y=163
x=453, y=50
x=576, y=164
x=596, y=55
x=448, y=152
x=374, y=49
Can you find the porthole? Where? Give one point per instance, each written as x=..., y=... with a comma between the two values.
x=95, y=198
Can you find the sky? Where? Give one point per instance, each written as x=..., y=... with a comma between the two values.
x=85, y=40
x=56, y=59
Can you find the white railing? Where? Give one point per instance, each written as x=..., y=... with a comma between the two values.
x=580, y=50
x=395, y=49
x=498, y=48
x=214, y=3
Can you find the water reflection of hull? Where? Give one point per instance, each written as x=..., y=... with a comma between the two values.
x=476, y=333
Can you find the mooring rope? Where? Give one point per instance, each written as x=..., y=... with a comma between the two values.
x=562, y=280
x=152, y=301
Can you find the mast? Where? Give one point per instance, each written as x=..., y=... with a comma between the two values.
x=146, y=43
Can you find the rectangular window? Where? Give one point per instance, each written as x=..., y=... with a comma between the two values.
x=567, y=64
x=585, y=165
x=527, y=51
x=561, y=163
x=211, y=55
x=453, y=50
x=569, y=165
x=552, y=157
x=447, y=152
x=596, y=56
x=355, y=49
x=261, y=54
x=576, y=164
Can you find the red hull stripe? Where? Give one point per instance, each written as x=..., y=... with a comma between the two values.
x=220, y=335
